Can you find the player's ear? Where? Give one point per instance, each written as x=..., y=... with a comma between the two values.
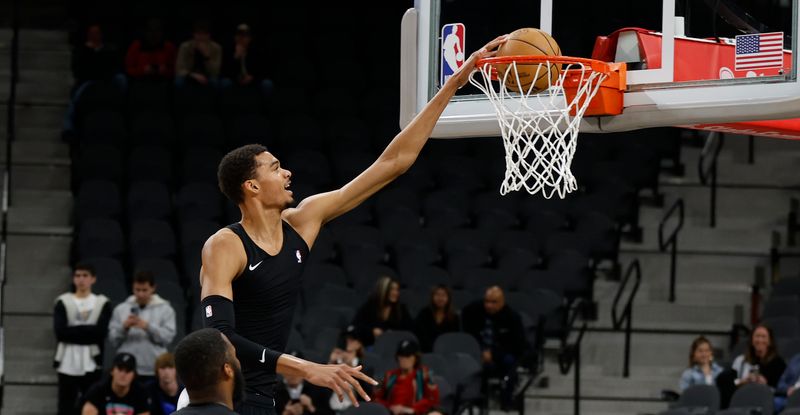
x=251, y=185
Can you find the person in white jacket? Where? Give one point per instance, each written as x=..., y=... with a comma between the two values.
x=143, y=325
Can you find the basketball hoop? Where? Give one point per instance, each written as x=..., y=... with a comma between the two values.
x=540, y=128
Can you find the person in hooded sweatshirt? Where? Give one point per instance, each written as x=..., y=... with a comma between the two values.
x=143, y=325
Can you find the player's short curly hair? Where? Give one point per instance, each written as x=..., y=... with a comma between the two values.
x=236, y=167
x=199, y=358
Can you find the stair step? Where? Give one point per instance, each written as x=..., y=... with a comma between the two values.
x=29, y=349
x=564, y=406
x=31, y=177
x=36, y=209
x=30, y=399
x=32, y=256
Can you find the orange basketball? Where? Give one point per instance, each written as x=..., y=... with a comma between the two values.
x=529, y=41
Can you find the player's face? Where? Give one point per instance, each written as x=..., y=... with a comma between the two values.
x=273, y=181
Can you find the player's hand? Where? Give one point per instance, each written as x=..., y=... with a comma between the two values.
x=461, y=77
x=342, y=379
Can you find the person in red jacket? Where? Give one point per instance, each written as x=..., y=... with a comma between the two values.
x=152, y=57
x=408, y=389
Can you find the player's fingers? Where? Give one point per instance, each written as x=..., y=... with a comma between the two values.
x=496, y=42
x=352, y=397
x=363, y=376
x=356, y=385
x=337, y=390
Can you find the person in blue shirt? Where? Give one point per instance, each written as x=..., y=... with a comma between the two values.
x=788, y=383
x=702, y=369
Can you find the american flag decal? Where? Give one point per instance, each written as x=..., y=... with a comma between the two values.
x=759, y=50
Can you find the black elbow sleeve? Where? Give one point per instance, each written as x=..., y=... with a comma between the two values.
x=218, y=313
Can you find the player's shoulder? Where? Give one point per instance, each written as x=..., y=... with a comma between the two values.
x=224, y=240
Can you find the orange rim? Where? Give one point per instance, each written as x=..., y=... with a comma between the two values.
x=588, y=64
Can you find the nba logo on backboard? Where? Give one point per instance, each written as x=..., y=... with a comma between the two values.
x=452, y=50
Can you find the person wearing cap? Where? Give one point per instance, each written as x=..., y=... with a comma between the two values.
x=408, y=389
x=118, y=394
x=242, y=65
x=294, y=396
x=206, y=362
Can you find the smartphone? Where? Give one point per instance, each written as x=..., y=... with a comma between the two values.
x=135, y=311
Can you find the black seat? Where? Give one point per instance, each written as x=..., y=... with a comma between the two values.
x=202, y=130
x=457, y=342
x=386, y=344
x=199, y=201
x=398, y=224
x=100, y=238
x=150, y=163
x=149, y=96
x=152, y=128
x=787, y=306
x=148, y=200
x=151, y=239
x=98, y=199
x=104, y=127
x=164, y=270
x=193, y=98
x=250, y=129
x=783, y=327
x=200, y=165
x=700, y=399
x=106, y=268
x=99, y=162
x=749, y=398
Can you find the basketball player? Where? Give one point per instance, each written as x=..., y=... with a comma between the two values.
x=206, y=363
x=251, y=269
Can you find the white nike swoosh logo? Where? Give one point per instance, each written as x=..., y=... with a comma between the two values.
x=252, y=267
x=263, y=352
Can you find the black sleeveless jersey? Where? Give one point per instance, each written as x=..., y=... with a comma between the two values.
x=264, y=297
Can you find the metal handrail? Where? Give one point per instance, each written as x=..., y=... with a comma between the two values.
x=671, y=242
x=570, y=355
x=11, y=130
x=712, y=148
x=626, y=317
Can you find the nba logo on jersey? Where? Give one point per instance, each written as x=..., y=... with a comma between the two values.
x=452, y=50
x=209, y=311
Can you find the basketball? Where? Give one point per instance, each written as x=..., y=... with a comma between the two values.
x=529, y=41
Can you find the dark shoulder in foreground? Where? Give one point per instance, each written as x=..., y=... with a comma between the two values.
x=206, y=409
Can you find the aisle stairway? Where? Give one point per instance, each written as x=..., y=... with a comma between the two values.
x=715, y=272
x=39, y=218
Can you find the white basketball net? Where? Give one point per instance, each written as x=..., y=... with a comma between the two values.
x=539, y=132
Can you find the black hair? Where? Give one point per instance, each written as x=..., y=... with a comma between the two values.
x=145, y=277
x=81, y=266
x=199, y=359
x=235, y=168
x=201, y=26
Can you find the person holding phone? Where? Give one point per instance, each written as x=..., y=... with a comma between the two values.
x=143, y=325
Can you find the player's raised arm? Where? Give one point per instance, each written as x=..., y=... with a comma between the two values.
x=396, y=159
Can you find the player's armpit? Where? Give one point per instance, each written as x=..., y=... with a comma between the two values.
x=223, y=258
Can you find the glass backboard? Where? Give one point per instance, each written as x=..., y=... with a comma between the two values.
x=689, y=61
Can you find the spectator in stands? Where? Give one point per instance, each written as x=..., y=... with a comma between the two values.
x=200, y=58
x=350, y=351
x=408, y=389
x=94, y=60
x=244, y=65
x=118, y=394
x=499, y=331
x=760, y=363
x=151, y=57
x=382, y=311
x=206, y=362
x=436, y=318
x=702, y=369
x=143, y=325
x=80, y=322
x=294, y=396
x=165, y=390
